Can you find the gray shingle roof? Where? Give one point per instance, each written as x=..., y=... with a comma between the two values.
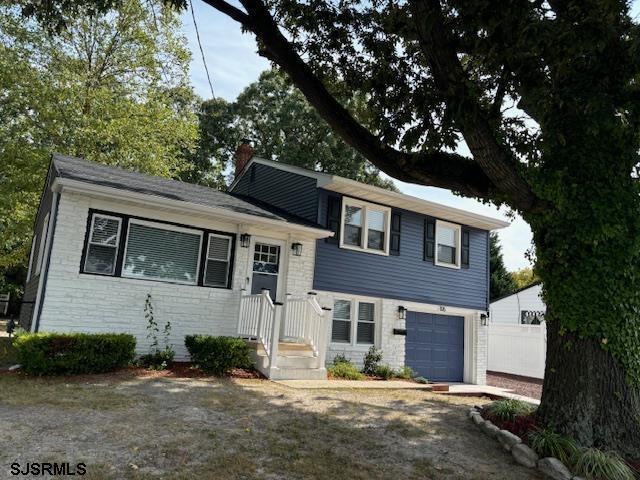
x=89, y=172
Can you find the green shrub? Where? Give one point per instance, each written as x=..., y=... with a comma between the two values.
x=547, y=443
x=74, y=353
x=371, y=361
x=421, y=380
x=340, y=358
x=406, y=373
x=595, y=464
x=345, y=370
x=157, y=360
x=218, y=355
x=509, y=409
x=385, y=372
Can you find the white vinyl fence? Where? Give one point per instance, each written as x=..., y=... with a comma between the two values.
x=517, y=349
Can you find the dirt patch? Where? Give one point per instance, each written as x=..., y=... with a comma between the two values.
x=132, y=426
x=527, y=386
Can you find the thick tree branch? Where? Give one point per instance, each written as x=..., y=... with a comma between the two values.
x=446, y=170
x=493, y=158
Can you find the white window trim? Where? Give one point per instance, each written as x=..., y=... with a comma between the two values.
x=171, y=228
x=31, y=255
x=458, y=229
x=43, y=240
x=90, y=242
x=207, y=258
x=253, y=258
x=365, y=206
x=355, y=307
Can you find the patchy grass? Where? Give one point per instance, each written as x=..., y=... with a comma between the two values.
x=133, y=427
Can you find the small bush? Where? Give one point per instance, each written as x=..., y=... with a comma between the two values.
x=385, y=372
x=421, y=380
x=406, y=373
x=158, y=360
x=340, y=358
x=74, y=353
x=547, y=443
x=342, y=367
x=345, y=370
x=371, y=361
x=218, y=355
x=595, y=464
x=507, y=410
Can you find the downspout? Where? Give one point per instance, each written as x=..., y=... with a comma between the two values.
x=42, y=281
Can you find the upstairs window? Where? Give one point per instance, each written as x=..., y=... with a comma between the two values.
x=365, y=226
x=102, y=248
x=448, y=244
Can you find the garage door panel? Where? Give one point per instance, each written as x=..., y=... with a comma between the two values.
x=435, y=346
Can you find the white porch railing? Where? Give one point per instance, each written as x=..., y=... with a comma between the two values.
x=298, y=319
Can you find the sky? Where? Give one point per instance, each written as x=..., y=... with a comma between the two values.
x=233, y=64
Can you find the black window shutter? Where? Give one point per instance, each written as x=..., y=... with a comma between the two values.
x=429, y=239
x=334, y=212
x=394, y=239
x=465, y=248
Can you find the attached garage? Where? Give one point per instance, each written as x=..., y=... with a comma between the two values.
x=435, y=346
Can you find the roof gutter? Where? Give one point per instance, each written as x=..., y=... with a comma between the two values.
x=60, y=184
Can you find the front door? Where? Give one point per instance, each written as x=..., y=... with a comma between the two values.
x=266, y=268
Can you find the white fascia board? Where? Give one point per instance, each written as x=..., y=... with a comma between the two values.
x=111, y=193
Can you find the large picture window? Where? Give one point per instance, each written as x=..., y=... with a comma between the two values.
x=447, y=244
x=162, y=252
x=123, y=246
x=365, y=226
x=353, y=322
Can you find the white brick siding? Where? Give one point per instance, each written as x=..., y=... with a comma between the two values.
x=93, y=303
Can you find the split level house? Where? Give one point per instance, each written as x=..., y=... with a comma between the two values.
x=304, y=265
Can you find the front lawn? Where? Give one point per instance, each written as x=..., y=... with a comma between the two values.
x=125, y=425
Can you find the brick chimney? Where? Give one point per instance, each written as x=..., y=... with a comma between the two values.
x=243, y=154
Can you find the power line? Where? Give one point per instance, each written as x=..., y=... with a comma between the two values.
x=204, y=61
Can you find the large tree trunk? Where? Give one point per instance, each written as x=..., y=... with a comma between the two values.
x=588, y=257
x=588, y=395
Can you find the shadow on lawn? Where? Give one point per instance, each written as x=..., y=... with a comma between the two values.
x=218, y=428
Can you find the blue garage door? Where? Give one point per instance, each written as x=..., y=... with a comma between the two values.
x=435, y=346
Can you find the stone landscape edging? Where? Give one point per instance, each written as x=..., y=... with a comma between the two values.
x=522, y=454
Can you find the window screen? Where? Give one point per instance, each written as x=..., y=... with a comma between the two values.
x=159, y=253
x=366, y=323
x=376, y=224
x=218, y=259
x=102, y=248
x=447, y=240
x=341, y=328
x=353, y=226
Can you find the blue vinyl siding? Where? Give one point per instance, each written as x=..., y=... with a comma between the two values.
x=291, y=192
x=407, y=276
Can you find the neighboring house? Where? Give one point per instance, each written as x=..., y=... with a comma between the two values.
x=306, y=265
x=523, y=307
x=518, y=334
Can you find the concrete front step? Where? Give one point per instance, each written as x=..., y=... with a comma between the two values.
x=285, y=348
x=289, y=373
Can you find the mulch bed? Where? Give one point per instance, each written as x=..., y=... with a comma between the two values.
x=527, y=386
x=177, y=370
